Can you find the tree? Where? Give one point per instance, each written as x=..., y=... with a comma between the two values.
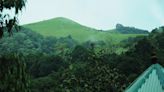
x=12, y=68
x=80, y=53
x=13, y=74
x=6, y=22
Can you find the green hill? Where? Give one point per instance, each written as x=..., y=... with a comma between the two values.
x=130, y=30
x=62, y=27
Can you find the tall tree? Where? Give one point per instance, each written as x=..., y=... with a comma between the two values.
x=7, y=20
x=13, y=74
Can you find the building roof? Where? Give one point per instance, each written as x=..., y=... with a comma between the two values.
x=152, y=80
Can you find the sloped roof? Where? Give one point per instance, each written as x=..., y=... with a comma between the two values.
x=152, y=80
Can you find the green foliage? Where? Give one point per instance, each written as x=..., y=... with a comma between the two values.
x=93, y=75
x=143, y=47
x=129, y=65
x=6, y=22
x=12, y=68
x=16, y=4
x=157, y=37
x=30, y=43
x=47, y=65
x=13, y=74
x=80, y=54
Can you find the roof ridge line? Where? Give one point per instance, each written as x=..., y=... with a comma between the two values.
x=140, y=79
x=160, y=74
x=147, y=76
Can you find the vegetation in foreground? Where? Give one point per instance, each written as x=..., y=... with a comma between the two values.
x=63, y=65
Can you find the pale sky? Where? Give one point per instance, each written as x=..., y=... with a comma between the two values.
x=100, y=14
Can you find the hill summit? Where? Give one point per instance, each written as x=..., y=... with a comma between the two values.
x=57, y=24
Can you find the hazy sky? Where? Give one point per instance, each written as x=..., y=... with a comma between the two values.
x=100, y=14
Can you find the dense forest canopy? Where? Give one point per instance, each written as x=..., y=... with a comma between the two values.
x=63, y=64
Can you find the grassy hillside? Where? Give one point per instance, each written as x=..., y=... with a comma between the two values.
x=62, y=27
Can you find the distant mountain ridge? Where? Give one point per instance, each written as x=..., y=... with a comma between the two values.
x=130, y=30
